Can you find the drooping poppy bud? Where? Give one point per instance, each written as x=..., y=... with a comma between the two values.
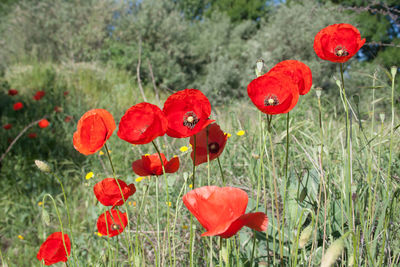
x=216, y=143
x=151, y=165
x=95, y=127
x=188, y=112
x=338, y=42
x=55, y=249
x=221, y=210
x=142, y=123
x=115, y=224
x=108, y=193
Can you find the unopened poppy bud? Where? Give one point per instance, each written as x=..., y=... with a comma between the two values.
x=318, y=91
x=260, y=65
x=393, y=70
x=43, y=166
x=382, y=117
x=333, y=253
x=305, y=236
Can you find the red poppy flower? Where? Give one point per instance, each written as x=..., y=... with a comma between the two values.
x=221, y=210
x=66, y=93
x=142, y=123
x=216, y=143
x=95, y=127
x=107, y=191
x=273, y=93
x=18, y=106
x=188, y=112
x=43, y=123
x=115, y=224
x=39, y=95
x=7, y=126
x=58, y=109
x=151, y=165
x=68, y=118
x=338, y=42
x=53, y=250
x=298, y=71
x=12, y=92
x=32, y=135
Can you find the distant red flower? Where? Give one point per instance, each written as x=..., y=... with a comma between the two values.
x=151, y=165
x=142, y=123
x=53, y=250
x=95, y=127
x=338, y=42
x=44, y=123
x=18, y=106
x=221, y=210
x=216, y=143
x=66, y=93
x=39, y=95
x=7, y=126
x=58, y=109
x=32, y=135
x=68, y=118
x=12, y=92
x=188, y=112
x=298, y=71
x=115, y=224
x=273, y=93
x=107, y=191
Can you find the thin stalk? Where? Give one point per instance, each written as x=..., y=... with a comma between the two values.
x=391, y=131
x=222, y=172
x=210, y=241
x=191, y=215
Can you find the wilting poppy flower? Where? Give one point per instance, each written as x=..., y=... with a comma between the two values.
x=53, y=250
x=142, y=123
x=107, y=191
x=18, y=106
x=7, y=126
x=338, y=42
x=151, y=165
x=298, y=71
x=32, y=135
x=68, y=118
x=216, y=143
x=115, y=224
x=273, y=93
x=43, y=123
x=12, y=92
x=95, y=127
x=39, y=95
x=221, y=210
x=188, y=112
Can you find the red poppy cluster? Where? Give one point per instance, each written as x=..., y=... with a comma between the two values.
x=56, y=248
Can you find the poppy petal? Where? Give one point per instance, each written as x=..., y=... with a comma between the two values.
x=172, y=165
x=138, y=168
x=53, y=250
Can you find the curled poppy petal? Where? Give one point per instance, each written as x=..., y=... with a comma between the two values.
x=39, y=95
x=221, y=210
x=298, y=71
x=188, y=112
x=53, y=250
x=43, y=123
x=338, y=42
x=12, y=92
x=151, y=165
x=94, y=128
x=273, y=93
x=108, y=193
x=18, y=106
x=216, y=143
x=112, y=223
x=142, y=123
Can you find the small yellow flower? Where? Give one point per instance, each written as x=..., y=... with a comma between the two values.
x=190, y=186
x=175, y=156
x=168, y=203
x=185, y=226
x=89, y=175
x=40, y=203
x=109, y=151
x=139, y=179
x=228, y=134
x=183, y=148
x=134, y=203
x=98, y=234
x=21, y=237
x=101, y=153
x=240, y=133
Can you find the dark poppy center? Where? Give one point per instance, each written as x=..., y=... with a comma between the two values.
x=190, y=119
x=341, y=51
x=213, y=148
x=115, y=226
x=271, y=100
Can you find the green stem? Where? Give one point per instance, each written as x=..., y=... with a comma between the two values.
x=191, y=215
x=222, y=172
x=391, y=132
